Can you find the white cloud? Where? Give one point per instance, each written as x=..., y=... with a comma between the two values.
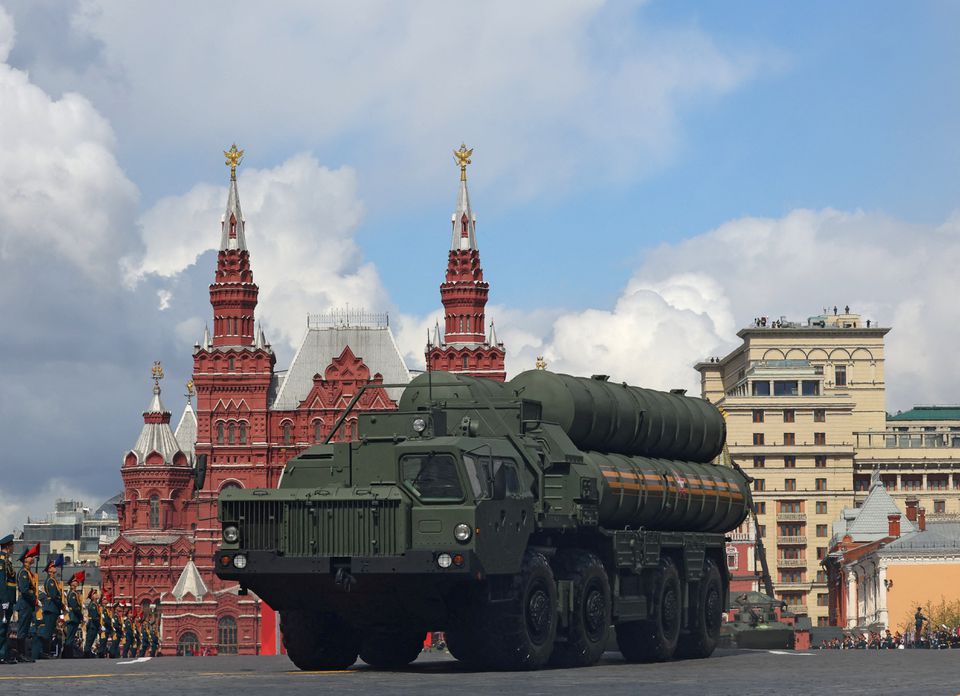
x=300, y=220
x=164, y=296
x=61, y=188
x=547, y=91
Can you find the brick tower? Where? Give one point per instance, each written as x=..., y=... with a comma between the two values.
x=465, y=346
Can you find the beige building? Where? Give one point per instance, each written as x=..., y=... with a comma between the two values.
x=797, y=396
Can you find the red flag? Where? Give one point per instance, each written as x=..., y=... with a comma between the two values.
x=30, y=553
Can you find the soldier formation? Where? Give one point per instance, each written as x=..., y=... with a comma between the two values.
x=53, y=621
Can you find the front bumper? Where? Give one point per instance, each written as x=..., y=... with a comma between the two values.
x=413, y=562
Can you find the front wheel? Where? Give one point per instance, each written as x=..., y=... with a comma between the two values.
x=706, y=616
x=318, y=641
x=655, y=639
x=585, y=638
x=391, y=649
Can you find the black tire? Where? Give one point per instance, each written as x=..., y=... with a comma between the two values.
x=463, y=647
x=318, y=641
x=585, y=638
x=706, y=616
x=655, y=640
x=517, y=632
x=391, y=649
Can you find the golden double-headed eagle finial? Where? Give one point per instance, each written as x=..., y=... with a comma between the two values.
x=541, y=363
x=234, y=157
x=189, y=388
x=462, y=158
x=157, y=372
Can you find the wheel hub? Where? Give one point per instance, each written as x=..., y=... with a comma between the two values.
x=594, y=613
x=538, y=613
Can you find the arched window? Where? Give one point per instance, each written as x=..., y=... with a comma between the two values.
x=243, y=432
x=227, y=636
x=154, y=510
x=230, y=364
x=231, y=432
x=287, y=433
x=188, y=644
x=465, y=362
x=318, y=430
x=220, y=433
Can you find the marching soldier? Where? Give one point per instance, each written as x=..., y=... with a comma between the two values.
x=52, y=607
x=28, y=604
x=144, y=636
x=74, y=614
x=154, y=634
x=117, y=629
x=8, y=597
x=128, y=633
x=93, y=622
x=106, y=624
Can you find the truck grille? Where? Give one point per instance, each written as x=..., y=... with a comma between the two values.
x=318, y=528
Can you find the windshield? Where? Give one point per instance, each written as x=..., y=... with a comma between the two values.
x=495, y=478
x=432, y=475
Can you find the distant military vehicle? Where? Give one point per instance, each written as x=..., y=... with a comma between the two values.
x=524, y=519
x=757, y=625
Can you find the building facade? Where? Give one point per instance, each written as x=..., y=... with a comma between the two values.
x=794, y=397
x=464, y=346
x=250, y=419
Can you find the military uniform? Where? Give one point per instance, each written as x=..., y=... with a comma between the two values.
x=74, y=619
x=117, y=632
x=106, y=625
x=127, y=636
x=27, y=608
x=144, y=637
x=154, y=638
x=52, y=608
x=8, y=597
x=93, y=627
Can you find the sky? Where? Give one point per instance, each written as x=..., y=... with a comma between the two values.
x=647, y=178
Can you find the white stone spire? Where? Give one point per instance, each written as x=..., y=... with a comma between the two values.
x=492, y=340
x=156, y=406
x=231, y=224
x=437, y=338
x=463, y=221
x=206, y=338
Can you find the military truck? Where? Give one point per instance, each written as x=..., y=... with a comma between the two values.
x=525, y=519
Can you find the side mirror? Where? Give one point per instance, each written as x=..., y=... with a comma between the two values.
x=200, y=472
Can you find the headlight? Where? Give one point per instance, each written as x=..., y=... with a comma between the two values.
x=444, y=560
x=240, y=561
x=419, y=425
x=231, y=534
x=462, y=532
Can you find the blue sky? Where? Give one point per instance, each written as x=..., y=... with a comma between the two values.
x=648, y=176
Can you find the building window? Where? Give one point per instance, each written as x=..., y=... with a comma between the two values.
x=154, y=511
x=227, y=636
x=912, y=482
x=220, y=433
x=823, y=621
x=790, y=484
x=840, y=375
x=821, y=576
x=789, y=438
x=823, y=599
x=821, y=507
x=318, y=431
x=937, y=482
x=819, y=438
x=759, y=462
x=939, y=506
x=811, y=387
x=759, y=485
x=820, y=461
x=231, y=432
x=757, y=415
x=188, y=644
x=758, y=438
x=466, y=362
x=821, y=530
x=230, y=364
x=760, y=388
x=790, y=462
x=821, y=484
x=762, y=531
x=733, y=560
x=789, y=415
x=760, y=507
x=243, y=432
x=819, y=415
x=861, y=482
x=785, y=388
x=821, y=552
x=287, y=433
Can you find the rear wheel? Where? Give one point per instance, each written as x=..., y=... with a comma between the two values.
x=706, y=616
x=655, y=639
x=391, y=649
x=585, y=638
x=318, y=641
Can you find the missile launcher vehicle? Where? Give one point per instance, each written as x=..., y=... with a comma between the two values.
x=525, y=519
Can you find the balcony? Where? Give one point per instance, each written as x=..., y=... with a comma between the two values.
x=791, y=517
x=800, y=585
x=791, y=540
x=791, y=562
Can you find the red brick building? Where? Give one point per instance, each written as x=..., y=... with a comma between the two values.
x=250, y=419
x=465, y=346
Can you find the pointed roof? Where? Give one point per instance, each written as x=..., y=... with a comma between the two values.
x=437, y=337
x=156, y=435
x=231, y=224
x=189, y=582
x=492, y=340
x=463, y=221
x=186, y=432
x=869, y=522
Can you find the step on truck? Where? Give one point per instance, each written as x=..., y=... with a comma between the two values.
x=526, y=519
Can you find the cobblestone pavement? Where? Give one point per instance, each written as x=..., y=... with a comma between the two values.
x=735, y=672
